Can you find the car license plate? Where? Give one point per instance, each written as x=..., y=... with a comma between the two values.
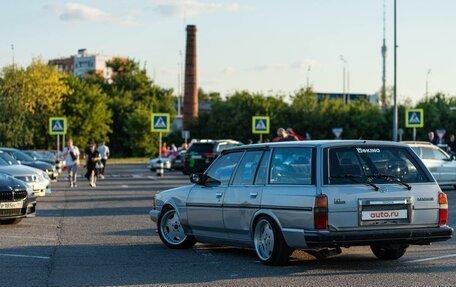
x=177, y=161
x=11, y=205
x=384, y=214
x=197, y=157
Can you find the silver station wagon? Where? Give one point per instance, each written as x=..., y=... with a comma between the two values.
x=316, y=196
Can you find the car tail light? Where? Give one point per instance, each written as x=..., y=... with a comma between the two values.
x=209, y=154
x=443, y=209
x=321, y=212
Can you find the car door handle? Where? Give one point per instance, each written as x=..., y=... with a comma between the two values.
x=253, y=194
x=218, y=194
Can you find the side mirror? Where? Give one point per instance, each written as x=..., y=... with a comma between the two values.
x=197, y=178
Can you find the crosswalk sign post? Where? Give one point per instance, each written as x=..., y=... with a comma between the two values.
x=414, y=118
x=260, y=125
x=58, y=126
x=160, y=123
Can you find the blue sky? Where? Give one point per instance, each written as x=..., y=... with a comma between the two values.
x=262, y=46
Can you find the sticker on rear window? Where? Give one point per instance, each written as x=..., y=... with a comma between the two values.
x=367, y=150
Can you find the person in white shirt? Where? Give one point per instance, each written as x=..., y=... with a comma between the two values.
x=103, y=149
x=71, y=157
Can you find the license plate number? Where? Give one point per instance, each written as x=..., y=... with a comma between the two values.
x=197, y=157
x=178, y=161
x=384, y=214
x=10, y=205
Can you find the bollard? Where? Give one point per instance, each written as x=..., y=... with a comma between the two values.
x=160, y=169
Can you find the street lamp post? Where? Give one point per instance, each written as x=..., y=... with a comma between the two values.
x=395, y=78
x=344, y=62
x=427, y=82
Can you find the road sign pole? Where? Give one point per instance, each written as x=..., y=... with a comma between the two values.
x=414, y=134
x=63, y=141
x=159, y=145
x=58, y=144
x=261, y=138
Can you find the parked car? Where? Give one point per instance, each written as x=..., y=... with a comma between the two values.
x=46, y=156
x=203, y=152
x=317, y=196
x=441, y=165
x=24, y=159
x=178, y=162
x=153, y=163
x=17, y=200
x=36, y=178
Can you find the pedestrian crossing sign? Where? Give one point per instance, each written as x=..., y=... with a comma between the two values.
x=57, y=125
x=260, y=125
x=414, y=118
x=160, y=123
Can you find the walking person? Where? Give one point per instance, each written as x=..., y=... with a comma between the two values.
x=71, y=157
x=103, y=149
x=93, y=157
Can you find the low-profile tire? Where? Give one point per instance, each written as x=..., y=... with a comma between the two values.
x=171, y=232
x=270, y=246
x=10, y=221
x=389, y=251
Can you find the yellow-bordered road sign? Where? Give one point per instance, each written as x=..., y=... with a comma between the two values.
x=414, y=118
x=160, y=123
x=260, y=125
x=57, y=125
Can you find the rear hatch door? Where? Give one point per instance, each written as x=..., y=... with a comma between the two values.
x=372, y=187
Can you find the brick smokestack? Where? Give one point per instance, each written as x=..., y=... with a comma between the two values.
x=191, y=86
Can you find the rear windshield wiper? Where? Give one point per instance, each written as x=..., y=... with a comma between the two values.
x=390, y=178
x=356, y=178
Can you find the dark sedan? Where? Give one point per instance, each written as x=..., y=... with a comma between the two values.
x=16, y=200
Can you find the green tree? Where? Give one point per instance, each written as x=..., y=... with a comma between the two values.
x=86, y=108
x=36, y=93
x=132, y=94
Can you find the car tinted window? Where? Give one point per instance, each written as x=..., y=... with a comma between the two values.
x=416, y=150
x=433, y=153
x=22, y=156
x=222, y=169
x=8, y=158
x=201, y=148
x=262, y=173
x=3, y=162
x=361, y=163
x=245, y=174
x=291, y=166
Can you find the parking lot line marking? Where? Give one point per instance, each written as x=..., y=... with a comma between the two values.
x=29, y=237
x=431, y=258
x=24, y=256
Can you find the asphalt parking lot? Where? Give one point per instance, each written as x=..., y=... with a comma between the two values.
x=103, y=237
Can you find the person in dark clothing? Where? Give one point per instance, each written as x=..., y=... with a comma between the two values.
x=452, y=144
x=92, y=157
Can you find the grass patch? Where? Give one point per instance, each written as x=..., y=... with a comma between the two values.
x=128, y=160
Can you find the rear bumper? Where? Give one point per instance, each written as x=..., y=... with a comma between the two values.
x=367, y=237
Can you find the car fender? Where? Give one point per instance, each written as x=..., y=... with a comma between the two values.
x=261, y=212
x=293, y=237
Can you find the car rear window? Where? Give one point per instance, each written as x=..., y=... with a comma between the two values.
x=433, y=153
x=349, y=165
x=201, y=147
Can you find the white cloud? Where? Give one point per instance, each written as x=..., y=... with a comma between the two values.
x=271, y=67
x=76, y=12
x=299, y=65
x=229, y=70
x=192, y=7
x=307, y=64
